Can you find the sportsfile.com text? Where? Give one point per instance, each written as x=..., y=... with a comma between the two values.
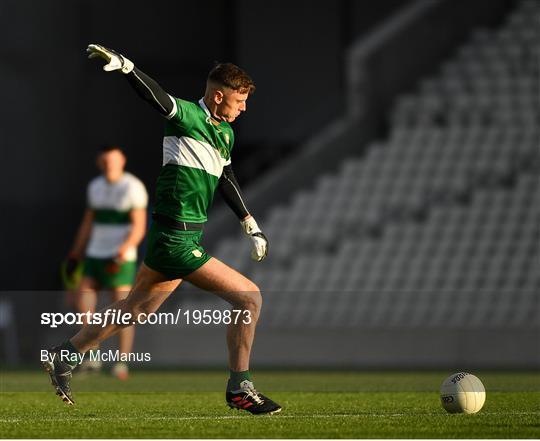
x=118, y=317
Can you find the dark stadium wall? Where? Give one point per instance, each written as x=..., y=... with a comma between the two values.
x=61, y=108
x=295, y=50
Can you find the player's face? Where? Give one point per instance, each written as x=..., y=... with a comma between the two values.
x=230, y=104
x=112, y=164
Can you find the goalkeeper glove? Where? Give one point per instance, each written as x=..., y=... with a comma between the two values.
x=260, y=242
x=71, y=271
x=71, y=265
x=114, y=60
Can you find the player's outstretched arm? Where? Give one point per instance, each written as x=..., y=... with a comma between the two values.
x=230, y=190
x=147, y=88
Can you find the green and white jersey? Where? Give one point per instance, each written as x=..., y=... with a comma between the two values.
x=111, y=203
x=195, y=149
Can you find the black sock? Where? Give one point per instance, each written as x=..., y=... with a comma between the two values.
x=73, y=356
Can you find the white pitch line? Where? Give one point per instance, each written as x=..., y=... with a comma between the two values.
x=234, y=417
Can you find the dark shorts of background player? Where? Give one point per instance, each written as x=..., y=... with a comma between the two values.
x=174, y=253
x=108, y=273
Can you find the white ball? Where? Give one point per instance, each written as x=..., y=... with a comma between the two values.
x=462, y=393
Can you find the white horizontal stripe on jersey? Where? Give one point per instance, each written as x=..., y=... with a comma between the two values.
x=192, y=153
x=105, y=240
x=123, y=195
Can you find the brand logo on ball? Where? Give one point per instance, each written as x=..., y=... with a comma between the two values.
x=459, y=377
x=447, y=399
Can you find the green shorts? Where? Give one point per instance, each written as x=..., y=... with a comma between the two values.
x=174, y=253
x=109, y=274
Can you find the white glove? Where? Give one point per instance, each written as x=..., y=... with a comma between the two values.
x=260, y=243
x=114, y=60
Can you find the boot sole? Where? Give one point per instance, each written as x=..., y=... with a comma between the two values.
x=49, y=368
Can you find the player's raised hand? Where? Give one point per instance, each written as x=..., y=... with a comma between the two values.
x=260, y=242
x=114, y=60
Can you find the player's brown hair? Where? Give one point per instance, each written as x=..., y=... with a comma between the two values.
x=106, y=148
x=231, y=76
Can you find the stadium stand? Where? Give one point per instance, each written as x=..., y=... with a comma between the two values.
x=444, y=212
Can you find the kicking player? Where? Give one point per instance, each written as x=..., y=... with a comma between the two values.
x=196, y=161
x=113, y=225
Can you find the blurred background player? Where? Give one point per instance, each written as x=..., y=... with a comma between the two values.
x=113, y=225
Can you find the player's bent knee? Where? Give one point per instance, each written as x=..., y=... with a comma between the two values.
x=252, y=302
x=249, y=287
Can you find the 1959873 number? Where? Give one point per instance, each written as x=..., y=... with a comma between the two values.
x=217, y=317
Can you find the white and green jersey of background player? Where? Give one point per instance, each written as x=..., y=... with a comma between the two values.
x=195, y=150
x=112, y=204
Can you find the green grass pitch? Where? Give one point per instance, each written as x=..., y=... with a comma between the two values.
x=187, y=404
